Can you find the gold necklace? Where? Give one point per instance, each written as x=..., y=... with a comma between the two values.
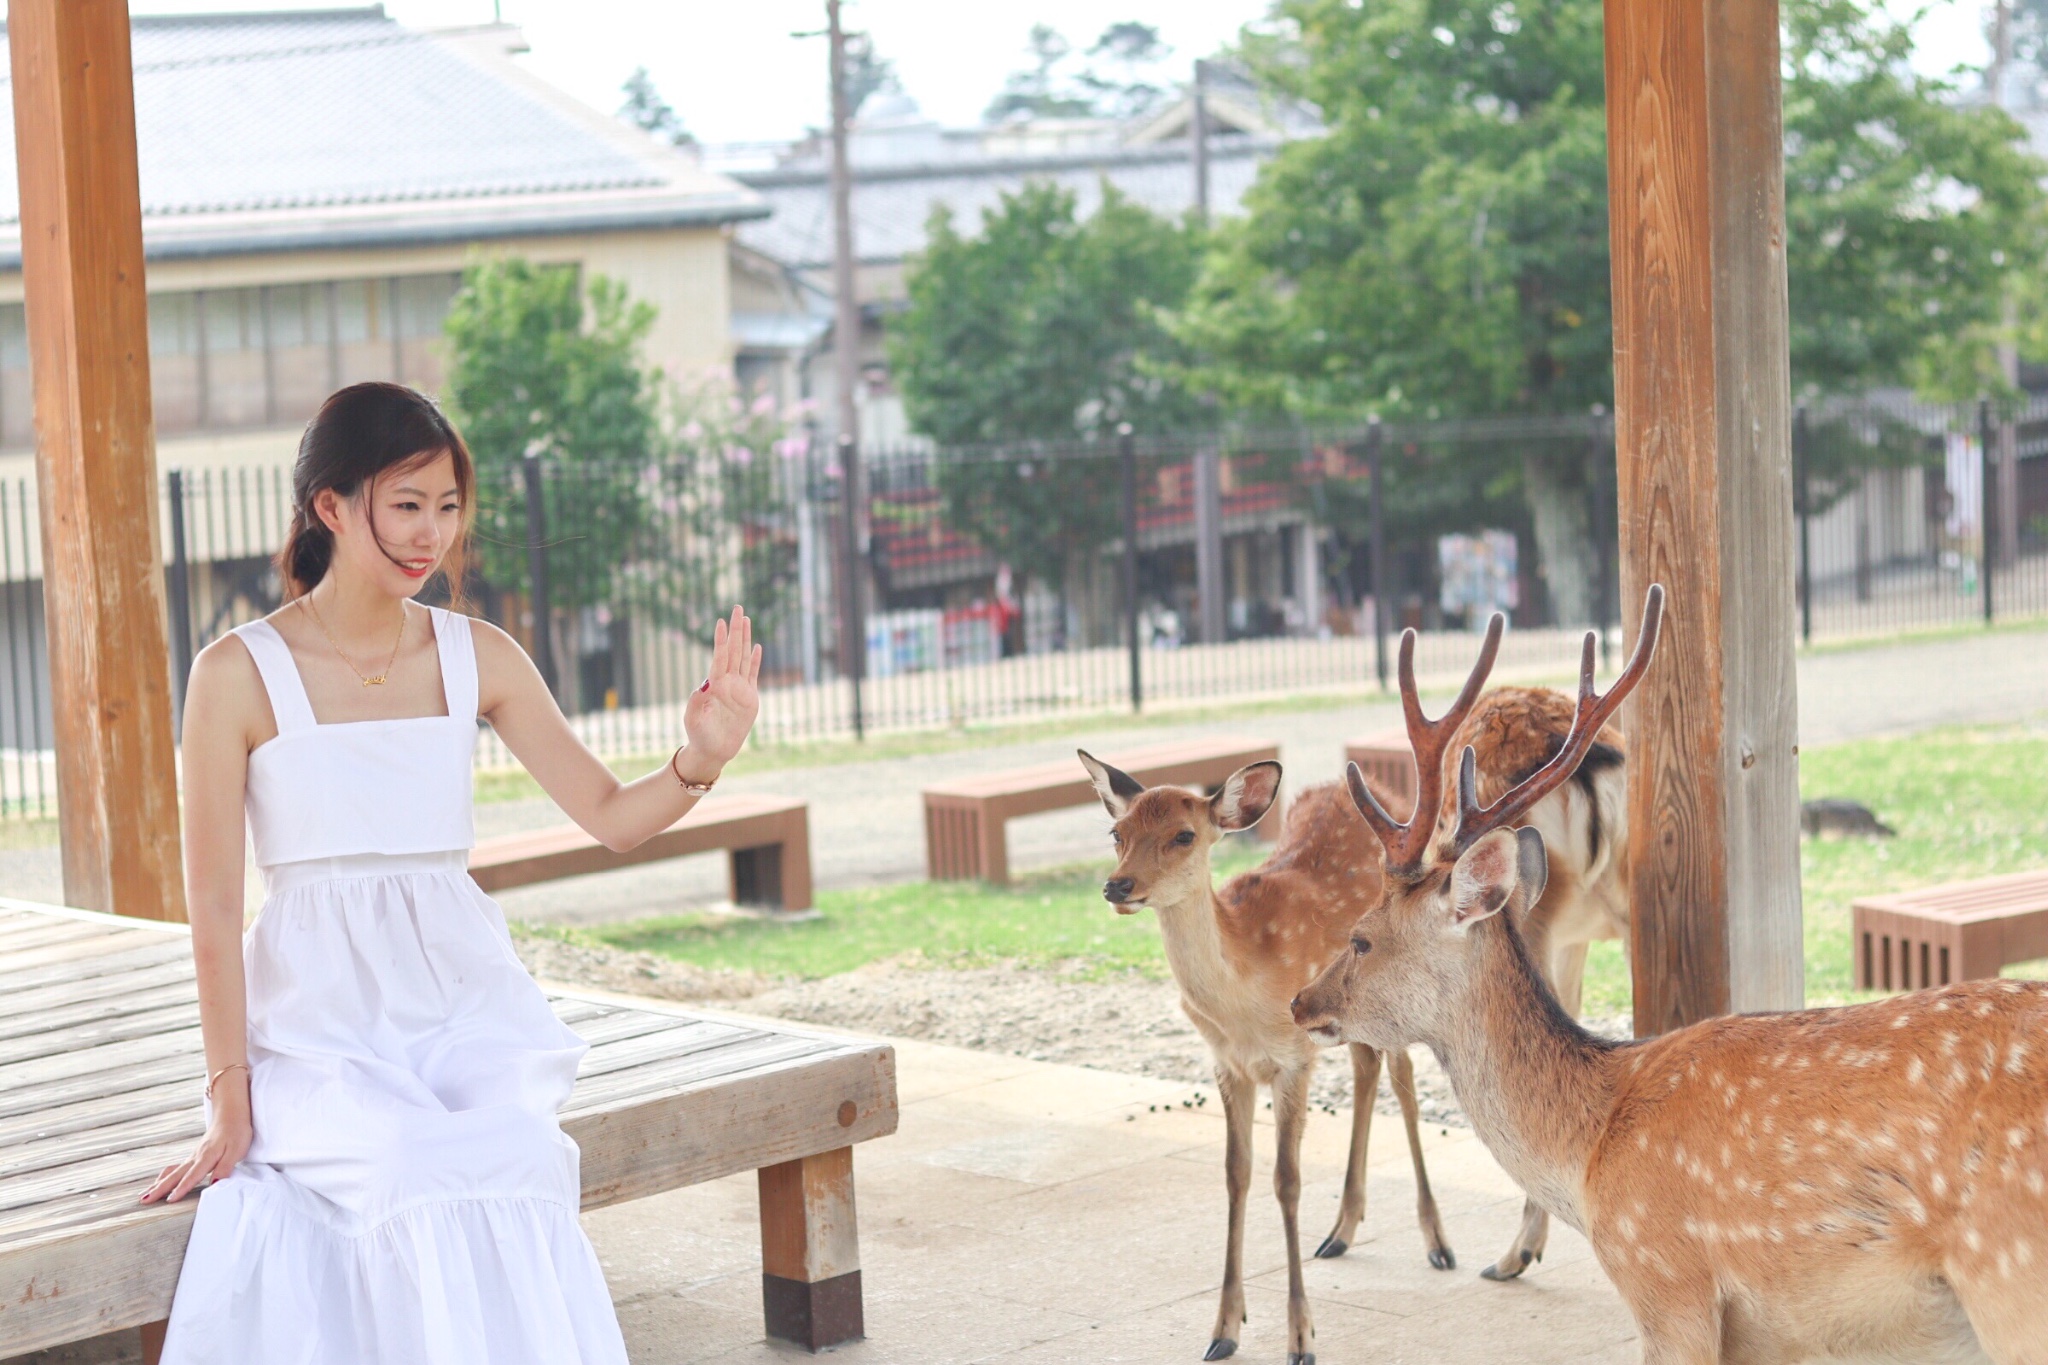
x=377, y=681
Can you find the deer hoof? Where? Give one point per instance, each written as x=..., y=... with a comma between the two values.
x=1332, y=1246
x=1220, y=1349
x=1494, y=1272
x=1442, y=1259
x=1301, y=1358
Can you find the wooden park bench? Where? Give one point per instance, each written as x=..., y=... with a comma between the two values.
x=1388, y=760
x=1959, y=931
x=100, y=1070
x=964, y=821
x=767, y=839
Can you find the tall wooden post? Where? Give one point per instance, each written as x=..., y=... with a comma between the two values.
x=1702, y=434
x=88, y=330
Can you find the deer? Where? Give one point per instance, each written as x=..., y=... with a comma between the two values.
x=1239, y=954
x=1515, y=731
x=1863, y=1182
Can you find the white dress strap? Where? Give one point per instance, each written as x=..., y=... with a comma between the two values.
x=288, y=701
x=458, y=661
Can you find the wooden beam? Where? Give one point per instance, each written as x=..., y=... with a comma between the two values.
x=1696, y=187
x=88, y=329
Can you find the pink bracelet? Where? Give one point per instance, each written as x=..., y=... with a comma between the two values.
x=687, y=785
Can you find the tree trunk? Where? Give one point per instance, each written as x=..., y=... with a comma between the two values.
x=1566, y=558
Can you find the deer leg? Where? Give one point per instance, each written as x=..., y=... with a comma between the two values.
x=1365, y=1087
x=1401, y=1076
x=1290, y=1117
x=1240, y=1097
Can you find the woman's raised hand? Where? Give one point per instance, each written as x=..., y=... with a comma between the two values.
x=226, y=1142
x=722, y=710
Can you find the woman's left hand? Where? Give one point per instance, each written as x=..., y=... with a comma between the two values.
x=721, y=712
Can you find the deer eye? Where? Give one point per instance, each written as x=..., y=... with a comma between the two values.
x=1184, y=838
x=1116, y=838
x=1361, y=944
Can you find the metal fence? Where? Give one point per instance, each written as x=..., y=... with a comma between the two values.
x=1030, y=580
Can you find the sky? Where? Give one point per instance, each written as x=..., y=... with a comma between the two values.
x=734, y=73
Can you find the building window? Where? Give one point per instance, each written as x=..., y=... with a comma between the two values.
x=242, y=359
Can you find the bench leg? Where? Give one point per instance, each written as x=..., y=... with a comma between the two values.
x=153, y=1341
x=754, y=876
x=810, y=1253
x=991, y=837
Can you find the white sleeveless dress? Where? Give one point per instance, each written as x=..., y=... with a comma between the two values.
x=410, y=1198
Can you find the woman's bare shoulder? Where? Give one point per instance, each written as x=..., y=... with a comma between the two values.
x=225, y=689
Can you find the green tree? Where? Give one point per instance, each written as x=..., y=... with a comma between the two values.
x=1444, y=250
x=1042, y=328
x=646, y=110
x=544, y=362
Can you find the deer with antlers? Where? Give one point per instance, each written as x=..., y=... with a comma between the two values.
x=1867, y=1182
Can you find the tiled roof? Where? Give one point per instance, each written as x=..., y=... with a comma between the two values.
x=339, y=127
x=891, y=206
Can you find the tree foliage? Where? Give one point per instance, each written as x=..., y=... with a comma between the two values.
x=543, y=362
x=1443, y=251
x=1044, y=327
x=646, y=110
x=1118, y=77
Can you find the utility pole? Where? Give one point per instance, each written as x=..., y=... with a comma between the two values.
x=2006, y=465
x=846, y=363
x=1198, y=139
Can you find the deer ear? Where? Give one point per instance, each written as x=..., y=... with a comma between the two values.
x=1116, y=787
x=1246, y=796
x=1532, y=864
x=1485, y=877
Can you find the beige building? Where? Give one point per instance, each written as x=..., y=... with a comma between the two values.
x=312, y=185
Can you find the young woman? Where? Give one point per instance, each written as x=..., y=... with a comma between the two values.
x=390, y=1183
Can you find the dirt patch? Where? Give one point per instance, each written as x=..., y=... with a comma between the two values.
x=1122, y=1023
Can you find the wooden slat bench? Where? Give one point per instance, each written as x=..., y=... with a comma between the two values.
x=1388, y=759
x=100, y=1068
x=767, y=839
x=964, y=821
x=1960, y=931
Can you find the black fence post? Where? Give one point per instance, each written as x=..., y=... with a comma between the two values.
x=853, y=643
x=1599, y=492
x=1802, y=506
x=537, y=573
x=1985, y=522
x=1381, y=598
x=1127, y=454
x=179, y=591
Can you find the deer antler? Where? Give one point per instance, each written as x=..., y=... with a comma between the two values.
x=1475, y=821
x=1405, y=844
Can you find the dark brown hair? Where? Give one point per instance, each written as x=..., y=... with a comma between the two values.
x=360, y=432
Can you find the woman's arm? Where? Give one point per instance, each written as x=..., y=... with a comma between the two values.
x=512, y=696
x=224, y=694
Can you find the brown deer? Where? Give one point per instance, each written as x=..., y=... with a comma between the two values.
x=1867, y=1182
x=1239, y=954
x=1584, y=823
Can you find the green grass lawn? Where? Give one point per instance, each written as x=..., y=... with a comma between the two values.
x=1965, y=803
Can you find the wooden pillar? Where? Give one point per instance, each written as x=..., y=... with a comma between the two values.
x=810, y=1249
x=1696, y=189
x=88, y=330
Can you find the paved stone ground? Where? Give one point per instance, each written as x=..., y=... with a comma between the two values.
x=1027, y=1211
x=867, y=822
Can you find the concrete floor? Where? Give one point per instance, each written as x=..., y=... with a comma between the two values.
x=1026, y=1211
x=1033, y=1212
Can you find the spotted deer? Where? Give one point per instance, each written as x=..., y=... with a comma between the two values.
x=1868, y=1182
x=1239, y=953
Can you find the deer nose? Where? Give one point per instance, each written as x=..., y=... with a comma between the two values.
x=1116, y=890
x=1301, y=1011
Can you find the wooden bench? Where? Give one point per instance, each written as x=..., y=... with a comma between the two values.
x=100, y=1068
x=1388, y=759
x=767, y=838
x=964, y=821
x=1960, y=931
